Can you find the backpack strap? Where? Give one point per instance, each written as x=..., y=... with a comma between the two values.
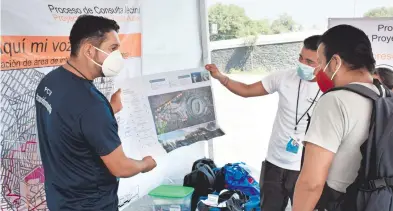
x=388, y=92
x=208, y=172
x=358, y=89
x=199, y=165
x=380, y=183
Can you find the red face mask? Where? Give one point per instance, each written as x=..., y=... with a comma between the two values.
x=324, y=82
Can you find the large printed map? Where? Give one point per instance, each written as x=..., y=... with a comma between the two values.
x=21, y=170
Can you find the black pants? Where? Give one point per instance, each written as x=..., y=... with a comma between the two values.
x=277, y=187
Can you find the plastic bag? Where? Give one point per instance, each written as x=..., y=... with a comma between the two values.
x=238, y=177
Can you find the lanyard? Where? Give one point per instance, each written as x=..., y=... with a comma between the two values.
x=77, y=70
x=297, y=105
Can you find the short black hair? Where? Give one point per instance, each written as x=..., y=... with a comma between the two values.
x=90, y=27
x=311, y=43
x=351, y=44
x=386, y=76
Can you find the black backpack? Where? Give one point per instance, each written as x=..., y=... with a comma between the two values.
x=206, y=161
x=219, y=184
x=372, y=189
x=202, y=179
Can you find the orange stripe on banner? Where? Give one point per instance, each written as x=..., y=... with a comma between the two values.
x=383, y=56
x=131, y=45
x=21, y=52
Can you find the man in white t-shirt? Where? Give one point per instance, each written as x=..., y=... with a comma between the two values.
x=341, y=119
x=298, y=92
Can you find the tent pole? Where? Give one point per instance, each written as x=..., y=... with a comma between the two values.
x=206, y=54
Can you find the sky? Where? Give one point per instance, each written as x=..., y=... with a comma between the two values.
x=306, y=12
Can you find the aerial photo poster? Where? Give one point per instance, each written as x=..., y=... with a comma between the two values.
x=176, y=109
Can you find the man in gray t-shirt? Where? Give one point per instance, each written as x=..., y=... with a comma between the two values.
x=341, y=119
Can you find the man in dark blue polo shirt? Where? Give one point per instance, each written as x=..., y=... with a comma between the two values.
x=78, y=135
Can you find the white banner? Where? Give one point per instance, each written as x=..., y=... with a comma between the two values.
x=378, y=30
x=34, y=40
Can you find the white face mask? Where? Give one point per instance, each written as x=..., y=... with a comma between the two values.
x=112, y=65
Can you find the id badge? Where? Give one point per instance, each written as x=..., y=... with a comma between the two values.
x=293, y=144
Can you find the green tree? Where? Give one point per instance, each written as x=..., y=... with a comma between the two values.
x=380, y=12
x=285, y=23
x=262, y=26
x=232, y=22
x=254, y=28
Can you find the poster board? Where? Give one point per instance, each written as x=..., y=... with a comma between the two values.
x=378, y=30
x=174, y=109
x=34, y=41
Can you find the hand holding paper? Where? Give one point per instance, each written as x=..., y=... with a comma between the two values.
x=150, y=164
x=212, y=68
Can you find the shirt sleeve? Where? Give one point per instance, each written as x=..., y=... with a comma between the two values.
x=272, y=82
x=100, y=129
x=327, y=123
